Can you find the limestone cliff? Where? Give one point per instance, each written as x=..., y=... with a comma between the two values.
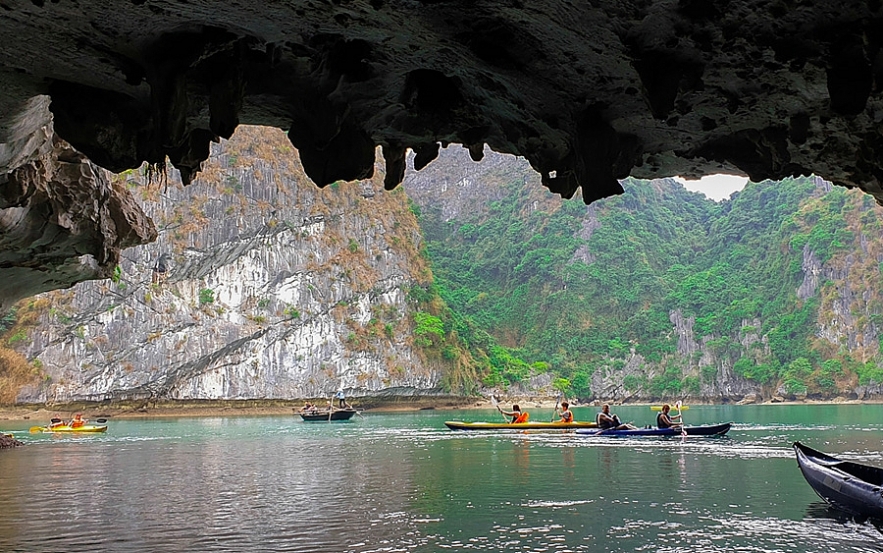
x=259, y=285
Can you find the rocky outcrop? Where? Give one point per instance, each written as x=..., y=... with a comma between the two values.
x=586, y=92
x=259, y=285
x=62, y=220
x=8, y=441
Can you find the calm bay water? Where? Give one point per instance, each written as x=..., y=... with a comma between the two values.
x=404, y=483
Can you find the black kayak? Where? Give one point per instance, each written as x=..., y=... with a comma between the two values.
x=844, y=485
x=709, y=430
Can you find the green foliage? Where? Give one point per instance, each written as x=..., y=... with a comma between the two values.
x=633, y=383
x=563, y=385
x=571, y=288
x=869, y=373
x=668, y=384
x=450, y=352
x=8, y=320
x=762, y=373
x=414, y=208
x=708, y=373
x=353, y=246
x=206, y=296
x=832, y=367
x=794, y=385
x=429, y=329
x=509, y=368
x=20, y=336
x=117, y=274
x=691, y=386
x=580, y=384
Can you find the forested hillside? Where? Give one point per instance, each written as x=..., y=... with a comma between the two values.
x=263, y=286
x=660, y=292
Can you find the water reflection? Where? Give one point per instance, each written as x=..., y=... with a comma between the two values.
x=404, y=483
x=824, y=513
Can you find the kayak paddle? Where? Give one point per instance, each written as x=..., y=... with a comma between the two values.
x=497, y=405
x=659, y=407
x=35, y=429
x=681, y=419
x=557, y=401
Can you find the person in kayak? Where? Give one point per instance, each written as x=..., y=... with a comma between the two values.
x=565, y=413
x=517, y=415
x=78, y=421
x=55, y=422
x=664, y=420
x=606, y=421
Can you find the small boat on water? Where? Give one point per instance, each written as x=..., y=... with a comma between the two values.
x=325, y=415
x=848, y=486
x=458, y=425
x=65, y=429
x=708, y=430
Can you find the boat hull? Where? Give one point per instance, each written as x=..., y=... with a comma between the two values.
x=341, y=415
x=844, y=485
x=709, y=430
x=87, y=429
x=458, y=425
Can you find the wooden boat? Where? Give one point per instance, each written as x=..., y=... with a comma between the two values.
x=844, y=485
x=458, y=425
x=708, y=430
x=323, y=415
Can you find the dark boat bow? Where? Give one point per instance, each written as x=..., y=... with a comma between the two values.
x=848, y=486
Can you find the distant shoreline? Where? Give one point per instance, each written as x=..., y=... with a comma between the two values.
x=41, y=413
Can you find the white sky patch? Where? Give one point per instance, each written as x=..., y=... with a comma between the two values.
x=716, y=187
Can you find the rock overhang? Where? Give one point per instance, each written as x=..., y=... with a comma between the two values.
x=588, y=92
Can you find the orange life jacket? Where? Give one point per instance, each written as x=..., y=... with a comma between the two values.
x=566, y=416
x=523, y=417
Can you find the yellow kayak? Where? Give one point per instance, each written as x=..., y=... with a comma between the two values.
x=458, y=425
x=88, y=428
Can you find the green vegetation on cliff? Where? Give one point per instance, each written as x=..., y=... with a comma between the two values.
x=537, y=285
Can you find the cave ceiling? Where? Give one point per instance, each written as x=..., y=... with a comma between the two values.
x=588, y=91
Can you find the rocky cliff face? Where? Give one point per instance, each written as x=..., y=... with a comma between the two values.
x=62, y=220
x=259, y=285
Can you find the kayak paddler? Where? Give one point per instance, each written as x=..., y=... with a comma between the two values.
x=664, y=420
x=78, y=421
x=606, y=421
x=565, y=413
x=517, y=415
